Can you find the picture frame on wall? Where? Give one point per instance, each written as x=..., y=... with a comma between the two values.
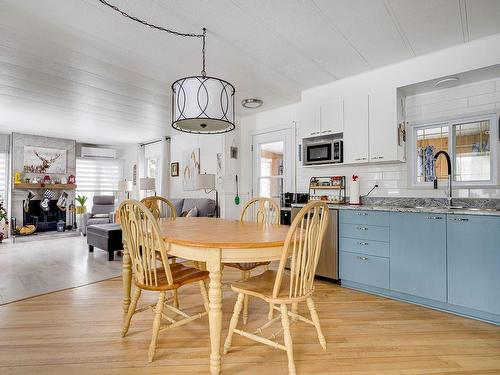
x=174, y=169
x=44, y=160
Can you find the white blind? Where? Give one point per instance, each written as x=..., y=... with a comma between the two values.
x=3, y=174
x=95, y=175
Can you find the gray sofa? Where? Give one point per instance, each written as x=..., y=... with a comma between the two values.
x=205, y=206
x=102, y=209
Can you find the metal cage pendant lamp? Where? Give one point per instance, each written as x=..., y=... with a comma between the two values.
x=200, y=104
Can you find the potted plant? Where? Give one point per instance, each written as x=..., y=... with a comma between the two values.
x=3, y=222
x=81, y=199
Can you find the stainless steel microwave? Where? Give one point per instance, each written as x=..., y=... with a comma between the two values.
x=322, y=151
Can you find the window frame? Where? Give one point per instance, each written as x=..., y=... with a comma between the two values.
x=451, y=122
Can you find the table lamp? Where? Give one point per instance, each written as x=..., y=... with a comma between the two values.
x=207, y=182
x=147, y=183
x=125, y=187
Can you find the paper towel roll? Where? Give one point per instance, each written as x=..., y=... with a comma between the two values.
x=354, y=192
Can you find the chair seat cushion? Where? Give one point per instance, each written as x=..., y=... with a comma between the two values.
x=261, y=286
x=246, y=266
x=181, y=275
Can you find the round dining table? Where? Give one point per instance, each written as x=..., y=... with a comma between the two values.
x=215, y=241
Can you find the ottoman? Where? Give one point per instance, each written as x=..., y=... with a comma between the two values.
x=106, y=237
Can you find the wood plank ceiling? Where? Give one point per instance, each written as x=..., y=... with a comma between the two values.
x=76, y=69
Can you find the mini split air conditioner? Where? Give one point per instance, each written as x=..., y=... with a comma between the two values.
x=95, y=152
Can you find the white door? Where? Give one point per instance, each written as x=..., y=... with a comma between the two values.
x=272, y=164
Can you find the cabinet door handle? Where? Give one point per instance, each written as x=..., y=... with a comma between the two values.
x=314, y=133
x=378, y=157
x=362, y=258
x=363, y=243
x=326, y=131
x=362, y=228
x=434, y=217
x=459, y=219
x=362, y=214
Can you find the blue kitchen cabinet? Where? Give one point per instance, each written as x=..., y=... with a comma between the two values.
x=474, y=262
x=418, y=254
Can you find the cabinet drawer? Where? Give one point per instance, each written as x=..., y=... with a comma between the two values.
x=379, y=218
x=364, y=246
x=364, y=269
x=364, y=232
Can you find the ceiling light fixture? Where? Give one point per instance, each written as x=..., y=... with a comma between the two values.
x=200, y=104
x=447, y=82
x=252, y=103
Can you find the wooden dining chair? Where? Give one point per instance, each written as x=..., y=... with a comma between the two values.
x=259, y=210
x=160, y=207
x=144, y=243
x=303, y=247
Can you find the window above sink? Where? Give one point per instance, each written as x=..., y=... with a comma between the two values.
x=471, y=143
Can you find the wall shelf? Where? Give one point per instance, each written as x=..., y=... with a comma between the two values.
x=326, y=187
x=24, y=186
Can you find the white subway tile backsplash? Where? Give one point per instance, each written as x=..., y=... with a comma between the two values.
x=484, y=193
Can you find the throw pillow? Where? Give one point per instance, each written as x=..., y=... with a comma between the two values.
x=193, y=212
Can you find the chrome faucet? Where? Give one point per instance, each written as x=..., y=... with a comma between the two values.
x=448, y=162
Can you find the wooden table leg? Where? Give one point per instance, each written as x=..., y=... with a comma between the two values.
x=215, y=311
x=126, y=278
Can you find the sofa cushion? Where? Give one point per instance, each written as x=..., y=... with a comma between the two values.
x=205, y=206
x=93, y=221
x=100, y=216
x=178, y=203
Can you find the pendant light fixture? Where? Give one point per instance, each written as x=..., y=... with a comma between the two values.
x=200, y=104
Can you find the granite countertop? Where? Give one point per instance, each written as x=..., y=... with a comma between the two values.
x=416, y=208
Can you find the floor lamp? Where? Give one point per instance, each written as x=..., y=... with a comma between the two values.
x=207, y=182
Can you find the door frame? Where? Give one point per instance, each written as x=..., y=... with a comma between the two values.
x=289, y=185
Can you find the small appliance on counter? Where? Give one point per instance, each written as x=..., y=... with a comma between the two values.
x=330, y=189
x=323, y=150
x=286, y=201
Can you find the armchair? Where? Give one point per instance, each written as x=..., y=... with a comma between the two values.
x=102, y=209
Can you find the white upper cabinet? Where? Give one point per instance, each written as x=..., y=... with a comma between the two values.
x=310, y=115
x=332, y=116
x=321, y=117
x=356, y=129
x=383, y=130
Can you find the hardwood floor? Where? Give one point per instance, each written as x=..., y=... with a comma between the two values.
x=38, y=265
x=77, y=331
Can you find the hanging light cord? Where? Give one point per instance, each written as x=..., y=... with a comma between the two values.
x=145, y=23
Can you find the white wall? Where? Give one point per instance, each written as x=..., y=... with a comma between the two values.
x=129, y=156
x=392, y=178
x=210, y=146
